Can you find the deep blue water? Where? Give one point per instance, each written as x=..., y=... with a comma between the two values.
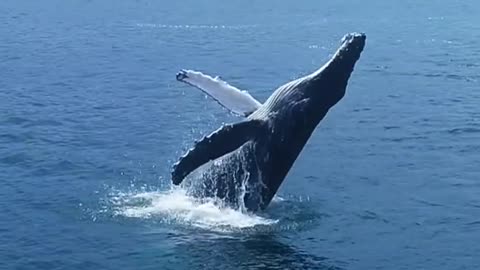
x=91, y=120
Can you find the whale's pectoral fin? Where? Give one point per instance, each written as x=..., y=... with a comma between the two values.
x=220, y=142
x=238, y=101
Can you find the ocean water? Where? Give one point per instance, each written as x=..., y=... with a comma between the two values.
x=92, y=118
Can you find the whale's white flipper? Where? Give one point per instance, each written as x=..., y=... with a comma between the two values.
x=236, y=100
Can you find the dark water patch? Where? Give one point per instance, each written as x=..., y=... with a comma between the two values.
x=456, y=100
x=66, y=167
x=458, y=184
x=435, y=62
x=447, y=220
x=312, y=178
x=16, y=159
x=370, y=215
x=38, y=104
x=404, y=139
x=16, y=120
x=259, y=251
x=364, y=121
x=470, y=65
x=406, y=164
x=475, y=205
x=60, y=84
x=362, y=110
x=427, y=203
x=423, y=120
x=369, y=180
x=18, y=137
x=474, y=223
x=394, y=96
x=56, y=167
x=107, y=107
x=465, y=130
x=458, y=77
x=12, y=58
x=390, y=127
x=40, y=172
x=43, y=122
x=433, y=101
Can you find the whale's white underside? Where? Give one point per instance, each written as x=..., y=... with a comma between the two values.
x=237, y=101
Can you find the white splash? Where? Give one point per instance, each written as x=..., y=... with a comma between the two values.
x=175, y=206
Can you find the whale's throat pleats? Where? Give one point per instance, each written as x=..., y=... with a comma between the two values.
x=222, y=141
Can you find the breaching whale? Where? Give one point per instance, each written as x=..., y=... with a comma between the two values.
x=244, y=163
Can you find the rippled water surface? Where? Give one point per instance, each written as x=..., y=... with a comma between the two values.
x=91, y=120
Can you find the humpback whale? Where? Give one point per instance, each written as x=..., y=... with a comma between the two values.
x=244, y=163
